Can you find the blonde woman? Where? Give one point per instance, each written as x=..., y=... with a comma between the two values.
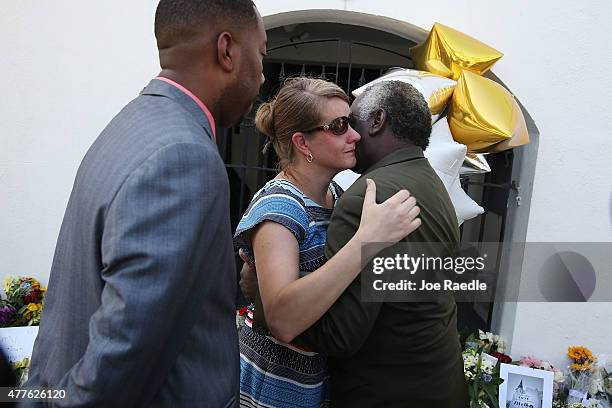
x=283, y=233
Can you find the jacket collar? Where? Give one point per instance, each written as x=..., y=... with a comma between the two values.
x=401, y=155
x=161, y=88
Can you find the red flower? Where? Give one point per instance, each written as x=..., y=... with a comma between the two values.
x=243, y=310
x=503, y=358
x=32, y=297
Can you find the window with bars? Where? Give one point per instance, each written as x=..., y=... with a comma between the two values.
x=352, y=56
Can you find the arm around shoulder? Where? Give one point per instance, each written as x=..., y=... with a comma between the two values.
x=342, y=330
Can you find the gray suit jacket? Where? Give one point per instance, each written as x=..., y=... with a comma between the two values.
x=140, y=306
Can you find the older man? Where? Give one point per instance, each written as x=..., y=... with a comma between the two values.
x=140, y=306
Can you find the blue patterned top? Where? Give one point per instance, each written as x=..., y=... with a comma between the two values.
x=282, y=202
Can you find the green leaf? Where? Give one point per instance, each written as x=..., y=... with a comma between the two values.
x=472, y=391
x=493, y=394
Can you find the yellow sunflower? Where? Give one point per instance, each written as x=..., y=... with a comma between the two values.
x=582, y=356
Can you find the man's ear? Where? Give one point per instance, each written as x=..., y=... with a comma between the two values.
x=300, y=143
x=226, y=51
x=378, y=122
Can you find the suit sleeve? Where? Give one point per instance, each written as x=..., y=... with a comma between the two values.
x=343, y=329
x=153, y=252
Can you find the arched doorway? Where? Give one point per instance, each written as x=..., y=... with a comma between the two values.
x=352, y=49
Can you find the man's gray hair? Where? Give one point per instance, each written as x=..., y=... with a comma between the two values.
x=407, y=112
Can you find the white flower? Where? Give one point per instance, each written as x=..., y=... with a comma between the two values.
x=597, y=385
x=469, y=361
x=488, y=367
x=592, y=403
x=559, y=377
x=482, y=335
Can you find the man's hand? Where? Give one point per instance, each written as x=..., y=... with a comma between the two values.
x=248, y=278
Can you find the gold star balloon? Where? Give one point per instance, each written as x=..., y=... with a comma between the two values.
x=483, y=114
x=447, y=52
x=436, y=90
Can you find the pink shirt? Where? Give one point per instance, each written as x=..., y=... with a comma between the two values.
x=196, y=100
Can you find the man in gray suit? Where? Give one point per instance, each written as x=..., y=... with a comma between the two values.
x=140, y=306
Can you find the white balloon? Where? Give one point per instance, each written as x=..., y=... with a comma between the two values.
x=465, y=207
x=346, y=178
x=443, y=153
x=446, y=157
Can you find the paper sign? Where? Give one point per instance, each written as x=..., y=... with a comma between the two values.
x=580, y=396
x=489, y=358
x=18, y=342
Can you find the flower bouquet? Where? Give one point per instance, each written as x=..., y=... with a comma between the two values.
x=483, y=353
x=23, y=304
x=586, y=381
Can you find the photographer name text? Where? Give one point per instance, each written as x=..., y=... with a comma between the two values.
x=446, y=285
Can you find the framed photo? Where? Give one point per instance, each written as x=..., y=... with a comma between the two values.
x=525, y=387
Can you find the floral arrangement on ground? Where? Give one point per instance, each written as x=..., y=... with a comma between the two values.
x=585, y=383
x=23, y=303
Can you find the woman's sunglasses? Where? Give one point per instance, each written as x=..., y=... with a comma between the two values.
x=338, y=126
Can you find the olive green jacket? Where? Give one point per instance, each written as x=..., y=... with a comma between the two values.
x=392, y=354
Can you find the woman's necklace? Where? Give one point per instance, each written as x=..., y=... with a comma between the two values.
x=294, y=180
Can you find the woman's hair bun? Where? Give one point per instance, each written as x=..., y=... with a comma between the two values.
x=264, y=119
